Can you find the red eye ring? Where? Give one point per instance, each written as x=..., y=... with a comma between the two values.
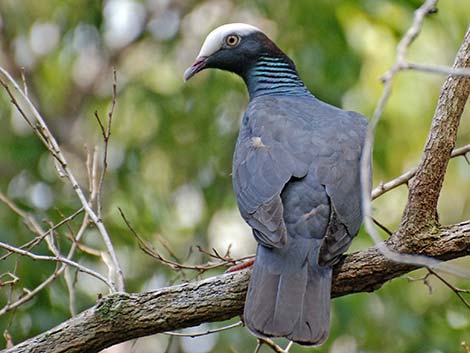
x=232, y=40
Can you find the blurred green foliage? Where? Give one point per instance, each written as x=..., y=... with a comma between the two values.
x=172, y=144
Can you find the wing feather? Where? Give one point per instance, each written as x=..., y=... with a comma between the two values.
x=280, y=140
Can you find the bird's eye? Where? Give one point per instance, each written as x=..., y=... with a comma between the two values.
x=232, y=40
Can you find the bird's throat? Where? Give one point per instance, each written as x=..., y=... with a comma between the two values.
x=274, y=76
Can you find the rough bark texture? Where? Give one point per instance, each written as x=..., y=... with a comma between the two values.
x=425, y=187
x=121, y=317
x=368, y=270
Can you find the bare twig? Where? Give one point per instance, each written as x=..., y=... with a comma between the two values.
x=259, y=344
x=31, y=293
x=457, y=291
x=226, y=258
x=424, y=279
x=95, y=193
x=36, y=228
x=381, y=226
x=204, y=333
x=91, y=167
x=148, y=249
x=71, y=280
x=32, y=224
x=11, y=291
x=167, y=247
x=55, y=259
x=270, y=343
x=437, y=69
x=23, y=79
x=57, y=272
x=382, y=188
x=10, y=281
x=106, y=133
x=8, y=339
x=43, y=132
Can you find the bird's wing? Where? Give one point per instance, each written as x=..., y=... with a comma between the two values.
x=262, y=166
x=279, y=142
x=340, y=173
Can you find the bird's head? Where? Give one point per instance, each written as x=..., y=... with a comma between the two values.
x=232, y=47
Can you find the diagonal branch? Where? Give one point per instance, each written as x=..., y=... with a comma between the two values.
x=425, y=187
x=382, y=188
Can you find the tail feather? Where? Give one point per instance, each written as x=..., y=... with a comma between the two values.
x=290, y=293
x=289, y=298
x=314, y=324
x=265, y=293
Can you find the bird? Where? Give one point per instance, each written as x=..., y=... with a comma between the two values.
x=297, y=181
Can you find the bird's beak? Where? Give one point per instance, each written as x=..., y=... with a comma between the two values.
x=199, y=64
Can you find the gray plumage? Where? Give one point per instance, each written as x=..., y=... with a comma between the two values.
x=296, y=177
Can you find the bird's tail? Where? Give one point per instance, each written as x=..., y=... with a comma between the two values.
x=289, y=294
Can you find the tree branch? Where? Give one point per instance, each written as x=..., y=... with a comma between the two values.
x=425, y=187
x=120, y=317
x=420, y=213
x=39, y=126
x=382, y=188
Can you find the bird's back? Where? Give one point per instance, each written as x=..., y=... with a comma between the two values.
x=305, y=154
x=306, y=137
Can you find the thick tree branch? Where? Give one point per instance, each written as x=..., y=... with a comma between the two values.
x=368, y=270
x=120, y=317
x=425, y=187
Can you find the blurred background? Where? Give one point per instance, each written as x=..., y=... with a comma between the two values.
x=172, y=143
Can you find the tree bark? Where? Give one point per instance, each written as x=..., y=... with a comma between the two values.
x=425, y=187
x=120, y=317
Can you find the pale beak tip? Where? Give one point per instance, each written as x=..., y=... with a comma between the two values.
x=194, y=69
x=187, y=74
